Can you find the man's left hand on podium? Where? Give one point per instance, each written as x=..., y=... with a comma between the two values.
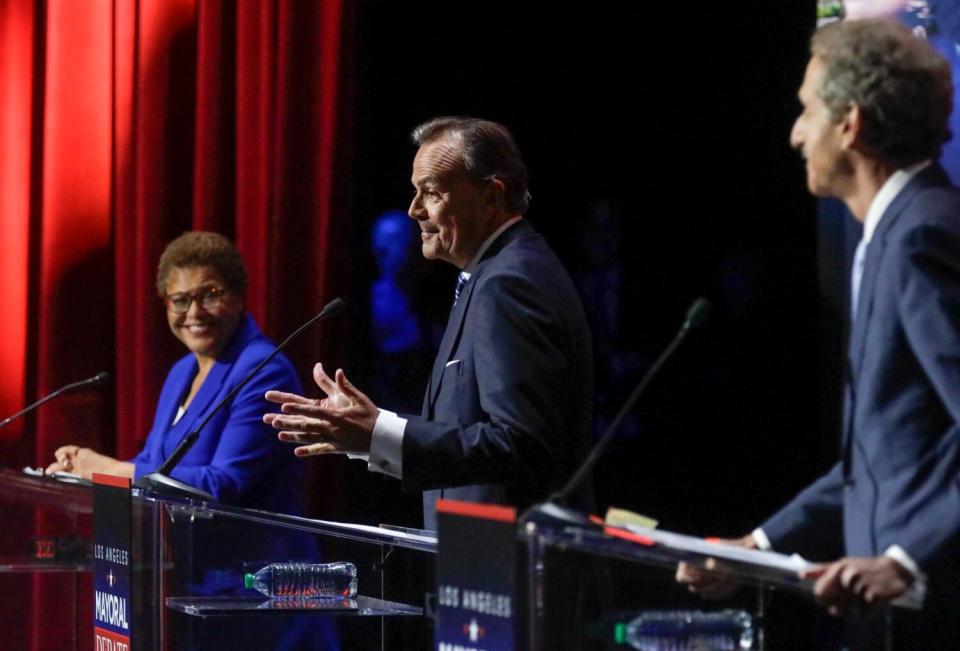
x=845, y=583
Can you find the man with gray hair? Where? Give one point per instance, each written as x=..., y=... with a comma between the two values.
x=506, y=414
x=875, y=103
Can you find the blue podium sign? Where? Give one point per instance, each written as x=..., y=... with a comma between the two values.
x=112, y=614
x=476, y=578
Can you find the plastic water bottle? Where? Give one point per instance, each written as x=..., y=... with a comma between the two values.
x=689, y=630
x=304, y=580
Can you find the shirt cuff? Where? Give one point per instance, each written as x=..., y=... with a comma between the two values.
x=386, y=444
x=763, y=543
x=897, y=553
x=918, y=589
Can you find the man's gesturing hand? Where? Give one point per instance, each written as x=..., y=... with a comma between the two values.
x=341, y=422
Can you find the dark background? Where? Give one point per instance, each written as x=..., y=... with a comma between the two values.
x=679, y=117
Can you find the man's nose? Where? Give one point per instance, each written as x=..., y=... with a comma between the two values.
x=796, y=135
x=415, y=210
x=195, y=308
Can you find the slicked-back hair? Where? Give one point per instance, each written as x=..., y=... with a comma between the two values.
x=203, y=249
x=901, y=85
x=488, y=151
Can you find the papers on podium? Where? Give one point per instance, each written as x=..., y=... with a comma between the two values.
x=778, y=570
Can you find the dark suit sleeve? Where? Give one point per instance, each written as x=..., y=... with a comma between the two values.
x=520, y=370
x=812, y=523
x=248, y=450
x=927, y=273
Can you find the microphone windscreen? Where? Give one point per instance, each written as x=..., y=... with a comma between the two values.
x=697, y=313
x=334, y=307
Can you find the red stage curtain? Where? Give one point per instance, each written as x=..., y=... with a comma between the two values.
x=125, y=123
x=16, y=124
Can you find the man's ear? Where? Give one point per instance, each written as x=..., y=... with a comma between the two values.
x=495, y=194
x=851, y=127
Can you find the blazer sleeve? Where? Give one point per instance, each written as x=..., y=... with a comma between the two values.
x=812, y=523
x=247, y=450
x=144, y=462
x=522, y=368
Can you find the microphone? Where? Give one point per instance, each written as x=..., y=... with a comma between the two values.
x=160, y=481
x=97, y=380
x=552, y=511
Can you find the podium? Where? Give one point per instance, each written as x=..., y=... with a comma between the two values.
x=45, y=529
x=582, y=582
x=196, y=554
x=188, y=562
x=189, y=559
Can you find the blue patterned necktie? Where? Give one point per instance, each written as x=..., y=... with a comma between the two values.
x=461, y=281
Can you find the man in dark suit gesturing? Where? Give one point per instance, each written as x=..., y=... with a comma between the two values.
x=875, y=102
x=507, y=406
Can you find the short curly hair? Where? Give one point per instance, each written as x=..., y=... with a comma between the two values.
x=202, y=249
x=901, y=85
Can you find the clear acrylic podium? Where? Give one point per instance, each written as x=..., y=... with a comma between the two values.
x=189, y=560
x=45, y=529
x=195, y=554
x=582, y=582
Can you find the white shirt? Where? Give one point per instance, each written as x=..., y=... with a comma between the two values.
x=884, y=197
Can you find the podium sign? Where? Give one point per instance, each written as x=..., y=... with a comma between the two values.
x=112, y=614
x=476, y=578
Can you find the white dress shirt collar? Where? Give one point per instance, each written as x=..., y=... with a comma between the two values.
x=888, y=192
x=486, y=244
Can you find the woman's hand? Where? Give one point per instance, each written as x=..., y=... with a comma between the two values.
x=84, y=462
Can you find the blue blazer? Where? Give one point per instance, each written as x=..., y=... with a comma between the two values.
x=898, y=481
x=506, y=416
x=237, y=458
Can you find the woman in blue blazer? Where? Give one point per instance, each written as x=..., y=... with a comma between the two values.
x=237, y=459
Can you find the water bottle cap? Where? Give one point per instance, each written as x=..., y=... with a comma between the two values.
x=620, y=633
x=248, y=580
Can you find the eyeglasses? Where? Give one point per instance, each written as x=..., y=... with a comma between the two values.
x=208, y=298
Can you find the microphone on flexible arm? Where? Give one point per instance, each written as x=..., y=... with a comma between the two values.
x=553, y=510
x=160, y=481
x=97, y=380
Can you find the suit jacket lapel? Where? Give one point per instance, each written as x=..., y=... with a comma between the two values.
x=171, y=403
x=208, y=391
x=211, y=386
x=451, y=336
x=931, y=176
x=858, y=331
